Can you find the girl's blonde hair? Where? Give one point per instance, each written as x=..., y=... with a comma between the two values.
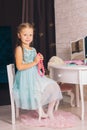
x=24, y=25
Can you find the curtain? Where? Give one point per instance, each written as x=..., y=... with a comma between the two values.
x=41, y=14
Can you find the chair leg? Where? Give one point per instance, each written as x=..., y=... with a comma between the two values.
x=13, y=113
x=70, y=93
x=17, y=112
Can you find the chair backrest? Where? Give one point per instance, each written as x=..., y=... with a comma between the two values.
x=11, y=75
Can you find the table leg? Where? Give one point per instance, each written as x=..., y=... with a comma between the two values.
x=82, y=96
x=77, y=95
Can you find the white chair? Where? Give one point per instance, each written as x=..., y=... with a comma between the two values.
x=68, y=88
x=14, y=109
x=11, y=75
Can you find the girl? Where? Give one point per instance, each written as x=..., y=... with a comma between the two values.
x=31, y=90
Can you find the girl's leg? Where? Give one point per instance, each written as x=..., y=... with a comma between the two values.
x=56, y=105
x=41, y=113
x=51, y=109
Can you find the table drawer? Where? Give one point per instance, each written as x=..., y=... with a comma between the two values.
x=66, y=76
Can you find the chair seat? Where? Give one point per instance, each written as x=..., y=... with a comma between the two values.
x=66, y=87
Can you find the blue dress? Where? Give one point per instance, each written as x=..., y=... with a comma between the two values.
x=30, y=89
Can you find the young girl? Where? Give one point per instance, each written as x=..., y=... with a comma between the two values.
x=31, y=90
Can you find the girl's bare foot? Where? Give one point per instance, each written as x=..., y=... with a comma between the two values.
x=42, y=114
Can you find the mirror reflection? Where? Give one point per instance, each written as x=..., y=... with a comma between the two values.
x=78, y=50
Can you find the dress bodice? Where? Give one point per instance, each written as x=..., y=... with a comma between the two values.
x=29, y=55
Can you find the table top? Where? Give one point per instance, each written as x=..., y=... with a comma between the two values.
x=69, y=67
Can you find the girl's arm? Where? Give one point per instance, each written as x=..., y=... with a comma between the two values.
x=19, y=60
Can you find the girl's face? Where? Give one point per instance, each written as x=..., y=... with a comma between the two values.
x=26, y=36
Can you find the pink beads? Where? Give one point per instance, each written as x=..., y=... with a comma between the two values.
x=41, y=69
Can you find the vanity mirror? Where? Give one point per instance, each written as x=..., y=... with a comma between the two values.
x=78, y=49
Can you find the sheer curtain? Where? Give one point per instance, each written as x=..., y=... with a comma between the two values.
x=41, y=14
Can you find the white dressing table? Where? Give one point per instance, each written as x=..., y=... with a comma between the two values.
x=74, y=74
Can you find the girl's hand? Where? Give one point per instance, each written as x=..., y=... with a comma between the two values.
x=41, y=56
x=37, y=59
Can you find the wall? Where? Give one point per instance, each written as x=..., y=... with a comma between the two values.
x=71, y=24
